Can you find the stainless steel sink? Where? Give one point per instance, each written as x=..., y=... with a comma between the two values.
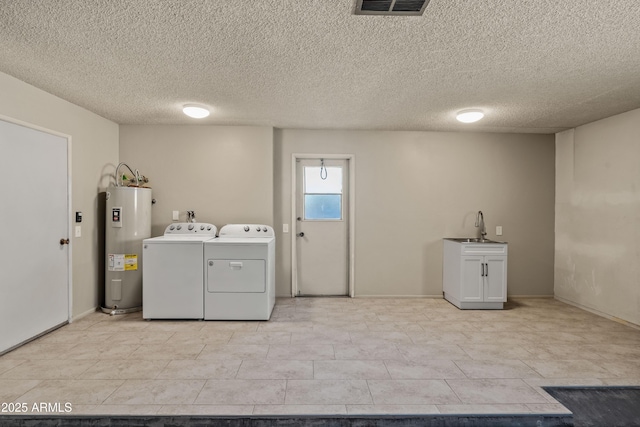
x=472, y=240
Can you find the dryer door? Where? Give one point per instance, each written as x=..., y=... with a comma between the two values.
x=236, y=275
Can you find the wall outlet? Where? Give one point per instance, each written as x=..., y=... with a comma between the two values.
x=285, y=228
x=498, y=230
x=176, y=215
x=78, y=231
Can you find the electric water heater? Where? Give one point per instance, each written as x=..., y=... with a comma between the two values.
x=128, y=222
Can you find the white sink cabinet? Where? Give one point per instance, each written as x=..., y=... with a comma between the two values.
x=474, y=274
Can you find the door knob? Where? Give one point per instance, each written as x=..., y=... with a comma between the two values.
x=301, y=234
x=64, y=241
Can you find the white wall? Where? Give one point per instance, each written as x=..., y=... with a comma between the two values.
x=598, y=216
x=94, y=156
x=415, y=188
x=223, y=173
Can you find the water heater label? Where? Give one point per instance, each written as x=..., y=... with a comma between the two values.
x=123, y=262
x=130, y=262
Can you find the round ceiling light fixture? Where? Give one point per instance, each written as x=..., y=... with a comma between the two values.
x=469, y=116
x=195, y=111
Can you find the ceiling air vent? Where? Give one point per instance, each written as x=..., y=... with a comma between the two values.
x=391, y=7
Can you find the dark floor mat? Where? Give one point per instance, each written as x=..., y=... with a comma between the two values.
x=600, y=406
x=522, y=420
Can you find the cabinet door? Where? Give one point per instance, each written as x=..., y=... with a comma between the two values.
x=496, y=279
x=472, y=280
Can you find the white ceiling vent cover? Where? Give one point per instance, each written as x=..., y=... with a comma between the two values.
x=391, y=7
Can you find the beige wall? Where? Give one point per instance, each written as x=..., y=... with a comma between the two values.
x=94, y=156
x=598, y=216
x=223, y=173
x=414, y=188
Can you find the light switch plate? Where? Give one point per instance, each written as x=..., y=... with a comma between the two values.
x=498, y=230
x=285, y=228
x=176, y=215
x=78, y=231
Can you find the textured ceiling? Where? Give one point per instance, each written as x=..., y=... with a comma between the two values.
x=534, y=66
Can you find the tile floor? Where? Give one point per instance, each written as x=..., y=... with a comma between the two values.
x=326, y=356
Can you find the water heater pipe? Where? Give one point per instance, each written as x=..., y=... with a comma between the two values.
x=118, y=177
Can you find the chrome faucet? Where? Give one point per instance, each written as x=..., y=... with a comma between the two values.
x=480, y=224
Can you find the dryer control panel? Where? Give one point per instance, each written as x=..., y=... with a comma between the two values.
x=190, y=228
x=246, y=230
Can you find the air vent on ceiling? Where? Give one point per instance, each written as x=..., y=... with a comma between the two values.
x=391, y=7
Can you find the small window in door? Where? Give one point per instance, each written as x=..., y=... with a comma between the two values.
x=322, y=197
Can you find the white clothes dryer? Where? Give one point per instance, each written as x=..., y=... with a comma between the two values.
x=172, y=272
x=239, y=273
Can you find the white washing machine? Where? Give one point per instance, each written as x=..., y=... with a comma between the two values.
x=239, y=273
x=172, y=272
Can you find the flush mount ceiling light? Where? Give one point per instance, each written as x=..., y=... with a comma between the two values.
x=195, y=111
x=469, y=116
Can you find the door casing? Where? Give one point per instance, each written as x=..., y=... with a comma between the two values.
x=351, y=159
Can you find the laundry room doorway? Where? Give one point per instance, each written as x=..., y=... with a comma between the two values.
x=323, y=228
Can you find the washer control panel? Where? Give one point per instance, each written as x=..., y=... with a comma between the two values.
x=246, y=230
x=191, y=228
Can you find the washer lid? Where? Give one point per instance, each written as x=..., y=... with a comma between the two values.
x=246, y=230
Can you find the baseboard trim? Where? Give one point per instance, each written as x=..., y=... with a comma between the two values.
x=530, y=296
x=399, y=296
x=85, y=314
x=378, y=296
x=597, y=312
x=427, y=296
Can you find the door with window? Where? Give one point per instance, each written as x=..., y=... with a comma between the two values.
x=322, y=227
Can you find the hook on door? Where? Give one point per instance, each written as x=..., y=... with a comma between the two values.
x=323, y=170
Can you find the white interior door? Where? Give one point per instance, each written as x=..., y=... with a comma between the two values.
x=34, y=213
x=322, y=227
